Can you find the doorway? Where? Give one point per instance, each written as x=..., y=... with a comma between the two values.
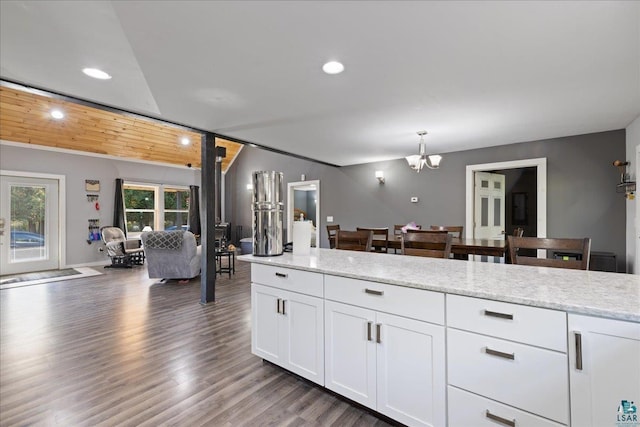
x=303, y=204
x=30, y=221
x=540, y=165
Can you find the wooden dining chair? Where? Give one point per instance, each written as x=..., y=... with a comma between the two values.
x=454, y=229
x=580, y=248
x=517, y=232
x=427, y=243
x=380, y=241
x=331, y=233
x=354, y=240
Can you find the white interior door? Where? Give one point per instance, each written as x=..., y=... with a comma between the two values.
x=29, y=210
x=489, y=197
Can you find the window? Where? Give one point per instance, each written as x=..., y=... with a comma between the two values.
x=176, y=208
x=140, y=207
x=155, y=206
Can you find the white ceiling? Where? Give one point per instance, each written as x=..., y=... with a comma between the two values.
x=473, y=74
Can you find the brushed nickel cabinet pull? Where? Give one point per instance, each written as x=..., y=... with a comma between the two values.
x=281, y=275
x=511, y=356
x=378, y=337
x=284, y=311
x=278, y=305
x=373, y=291
x=578, y=350
x=510, y=423
x=498, y=314
x=369, y=324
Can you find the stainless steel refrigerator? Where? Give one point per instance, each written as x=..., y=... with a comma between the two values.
x=268, y=212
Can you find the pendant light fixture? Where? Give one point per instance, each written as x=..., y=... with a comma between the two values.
x=420, y=160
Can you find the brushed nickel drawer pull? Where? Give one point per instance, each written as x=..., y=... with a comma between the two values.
x=497, y=314
x=369, y=324
x=378, y=334
x=282, y=275
x=511, y=356
x=510, y=423
x=373, y=291
x=578, y=350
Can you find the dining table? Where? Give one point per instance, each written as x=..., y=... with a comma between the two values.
x=461, y=247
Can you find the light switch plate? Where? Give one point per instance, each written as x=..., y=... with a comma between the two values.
x=329, y=219
x=414, y=199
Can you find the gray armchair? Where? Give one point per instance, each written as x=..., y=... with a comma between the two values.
x=122, y=251
x=171, y=254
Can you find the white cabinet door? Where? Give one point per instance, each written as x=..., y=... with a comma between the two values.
x=410, y=370
x=303, y=340
x=604, y=359
x=265, y=319
x=287, y=329
x=350, y=352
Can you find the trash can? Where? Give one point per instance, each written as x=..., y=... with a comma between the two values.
x=246, y=245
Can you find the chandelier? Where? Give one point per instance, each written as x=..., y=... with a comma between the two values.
x=418, y=161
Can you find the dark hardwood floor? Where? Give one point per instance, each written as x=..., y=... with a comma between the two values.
x=122, y=349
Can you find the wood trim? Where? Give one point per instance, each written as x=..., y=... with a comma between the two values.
x=25, y=118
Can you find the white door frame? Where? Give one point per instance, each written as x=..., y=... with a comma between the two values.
x=62, y=221
x=539, y=163
x=290, y=202
x=636, y=266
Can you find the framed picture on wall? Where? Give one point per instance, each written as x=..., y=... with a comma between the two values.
x=91, y=185
x=519, y=209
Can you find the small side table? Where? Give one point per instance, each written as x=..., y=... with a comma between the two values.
x=230, y=264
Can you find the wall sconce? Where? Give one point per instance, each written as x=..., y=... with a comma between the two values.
x=380, y=176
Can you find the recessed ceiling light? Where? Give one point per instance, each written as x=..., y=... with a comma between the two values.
x=333, y=67
x=96, y=74
x=185, y=141
x=57, y=114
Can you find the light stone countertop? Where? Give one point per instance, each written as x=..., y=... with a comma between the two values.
x=596, y=293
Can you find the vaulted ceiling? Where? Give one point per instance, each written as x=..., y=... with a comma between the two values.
x=472, y=74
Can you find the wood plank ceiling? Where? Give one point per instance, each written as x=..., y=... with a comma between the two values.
x=25, y=117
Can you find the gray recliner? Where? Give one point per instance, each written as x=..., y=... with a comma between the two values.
x=171, y=254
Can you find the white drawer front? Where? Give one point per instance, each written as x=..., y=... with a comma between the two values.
x=530, y=325
x=304, y=282
x=408, y=302
x=467, y=409
x=535, y=380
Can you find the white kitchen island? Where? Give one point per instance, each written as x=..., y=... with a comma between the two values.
x=447, y=342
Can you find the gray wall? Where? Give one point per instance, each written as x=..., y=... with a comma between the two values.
x=77, y=168
x=581, y=196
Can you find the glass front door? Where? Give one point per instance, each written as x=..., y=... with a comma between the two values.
x=29, y=229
